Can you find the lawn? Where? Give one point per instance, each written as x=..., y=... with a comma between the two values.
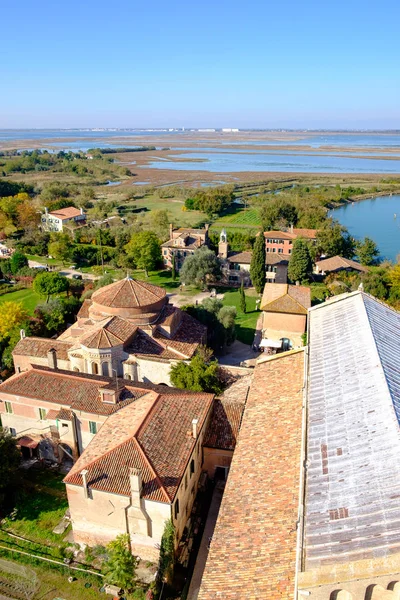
x=245, y=323
x=27, y=297
x=244, y=216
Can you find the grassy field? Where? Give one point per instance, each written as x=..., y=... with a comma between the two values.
x=244, y=216
x=27, y=297
x=245, y=323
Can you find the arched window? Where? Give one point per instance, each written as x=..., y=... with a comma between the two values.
x=76, y=369
x=95, y=369
x=191, y=467
x=105, y=369
x=127, y=376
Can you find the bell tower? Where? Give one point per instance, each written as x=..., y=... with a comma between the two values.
x=223, y=245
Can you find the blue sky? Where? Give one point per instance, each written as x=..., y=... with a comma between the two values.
x=200, y=63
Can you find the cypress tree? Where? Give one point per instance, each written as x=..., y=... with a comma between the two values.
x=242, y=299
x=173, y=272
x=300, y=263
x=257, y=266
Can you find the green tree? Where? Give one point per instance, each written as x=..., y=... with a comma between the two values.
x=334, y=239
x=243, y=307
x=226, y=316
x=173, y=271
x=378, y=282
x=10, y=459
x=120, y=567
x=367, y=251
x=300, y=263
x=257, y=266
x=18, y=261
x=144, y=251
x=48, y=284
x=167, y=553
x=61, y=247
x=197, y=375
x=200, y=267
x=106, y=279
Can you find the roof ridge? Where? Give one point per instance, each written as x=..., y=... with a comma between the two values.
x=133, y=290
x=150, y=464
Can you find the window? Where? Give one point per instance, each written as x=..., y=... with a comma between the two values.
x=8, y=407
x=267, y=249
x=176, y=509
x=42, y=414
x=290, y=251
x=191, y=467
x=273, y=249
x=92, y=426
x=95, y=369
x=186, y=482
x=13, y=431
x=280, y=250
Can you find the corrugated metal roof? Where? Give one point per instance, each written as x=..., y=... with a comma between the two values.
x=353, y=474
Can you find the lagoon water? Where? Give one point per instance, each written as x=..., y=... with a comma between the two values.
x=376, y=219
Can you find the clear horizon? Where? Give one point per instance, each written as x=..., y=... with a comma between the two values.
x=259, y=66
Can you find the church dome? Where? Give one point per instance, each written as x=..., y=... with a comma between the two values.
x=128, y=298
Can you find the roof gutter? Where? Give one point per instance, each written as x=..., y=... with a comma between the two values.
x=300, y=525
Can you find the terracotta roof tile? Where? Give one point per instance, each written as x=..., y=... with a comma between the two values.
x=223, y=429
x=66, y=213
x=240, y=257
x=128, y=293
x=84, y=309
x=285, y=298
x=305, y=233
x=253, y=550
x=116, y=332
x=39, y=347
x=279, y=235
x=335, y=263
x=77, y=390
x=151, y=434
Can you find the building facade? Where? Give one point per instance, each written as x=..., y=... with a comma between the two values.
x=57, y=219
x=183, y=242
x=127, y=329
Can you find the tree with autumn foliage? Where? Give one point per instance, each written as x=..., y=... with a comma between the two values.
x=12, y=314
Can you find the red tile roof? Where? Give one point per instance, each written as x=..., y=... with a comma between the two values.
x=84, y=309
x=305, y=233
x=66, y=213
x=223, y=429
x=336, y=263
x=279, y=235
x=77, y=390
x=240, y=257
x=285, y=298
x=39, y=347
x=128, y=293
x=253, y=550
x=116, y=332
x=152, y=434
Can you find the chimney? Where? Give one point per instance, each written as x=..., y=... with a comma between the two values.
x=170, y=231
x=82, y=213
x=291, y=227
x=297, y=282
x=135, y=479
x=46, y=210
x=194, y=428
x=84, y=481
x=52, y=358
x=206, y=226
x=22, y=334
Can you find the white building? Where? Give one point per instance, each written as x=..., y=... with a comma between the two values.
x=57, y=219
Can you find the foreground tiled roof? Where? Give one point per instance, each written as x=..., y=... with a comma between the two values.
x=285, y=298
x=66, y=213
x=77, y=390
x=353, y=474
x=253, y=549
x=39, y=347
x=336, y=263
x=154, y=435
x=128, y=293
x=223, y=429
x=84, y=309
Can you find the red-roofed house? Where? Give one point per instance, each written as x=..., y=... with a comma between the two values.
x=281, y=242
x=57, y=219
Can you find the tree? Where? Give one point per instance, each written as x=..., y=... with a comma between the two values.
x=197, y=375
x=173, y=272
x=18, y=261
x=144, y=251
x=10, y=459
x=167, y=553
x=200, y=267
x=300, y=263
x=48, y=284
x=334, y=239
x=106, y=279
x=120, y=567
x=242, y=299
x=367, y=251
x=257, y=266
x=61, y=247
x=12, y=314
x=226, y=316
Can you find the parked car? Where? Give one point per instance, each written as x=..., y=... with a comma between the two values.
x=76, y=276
